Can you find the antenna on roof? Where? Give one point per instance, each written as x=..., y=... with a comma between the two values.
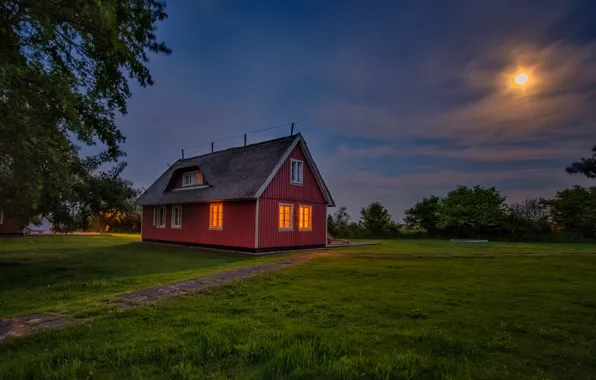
x=168, y=164
x=182, y=153
x=292, y=124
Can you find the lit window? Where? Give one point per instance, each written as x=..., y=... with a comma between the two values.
x=285, y=216
x=296, y=172
x=216, y=216
x=177, y=217
x=159, y=217
x=305, y=218
x=192, y=179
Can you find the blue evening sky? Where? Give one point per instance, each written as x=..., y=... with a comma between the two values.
x=403, y=99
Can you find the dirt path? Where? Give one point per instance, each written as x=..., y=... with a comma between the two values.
x=158, y=293
x=28, y=324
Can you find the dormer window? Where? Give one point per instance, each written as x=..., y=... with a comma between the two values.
x=296, y=172
x=192, y=179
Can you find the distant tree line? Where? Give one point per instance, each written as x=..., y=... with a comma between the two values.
x=478, y=212
x=375, y=222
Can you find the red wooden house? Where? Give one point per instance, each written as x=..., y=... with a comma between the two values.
x=262, y=197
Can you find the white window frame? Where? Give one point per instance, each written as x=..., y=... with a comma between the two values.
x=212, y=227
x=310, y=215
x=173, y=222
x=291, y=228
x=192, y=177
x=298, y=179
x=155, y=217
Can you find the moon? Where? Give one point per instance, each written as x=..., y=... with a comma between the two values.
x=521, y=79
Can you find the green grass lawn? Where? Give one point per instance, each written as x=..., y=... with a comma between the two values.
x=346, y=317
x=72, y=274
x=442, y=247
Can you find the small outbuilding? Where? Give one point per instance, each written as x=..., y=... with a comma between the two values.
x=9, y=226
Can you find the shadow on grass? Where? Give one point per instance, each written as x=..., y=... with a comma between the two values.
x=50, y=267
x=52, y=277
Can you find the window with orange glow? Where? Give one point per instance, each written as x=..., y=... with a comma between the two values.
x=305, y=218
x=192, y=179
x=285, y=216
x=216, y=216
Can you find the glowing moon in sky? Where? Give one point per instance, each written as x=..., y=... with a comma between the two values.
x=521, y=79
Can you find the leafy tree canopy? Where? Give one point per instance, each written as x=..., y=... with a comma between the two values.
x=337, y=224
x=586, y=166
x=472, y=211
x=529, y=218
x=375, y=219
x=64, y=69
x=574, y=210
x=105, y=195
x=424, y=215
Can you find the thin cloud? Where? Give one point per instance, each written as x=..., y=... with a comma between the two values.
x=444, y=178
x=478, y=153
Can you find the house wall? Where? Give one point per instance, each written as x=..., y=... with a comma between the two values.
x=270, y=235
x=280, y=190
x=9, y=226
x=238, y=225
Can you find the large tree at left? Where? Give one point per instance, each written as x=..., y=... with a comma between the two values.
x=65, y=67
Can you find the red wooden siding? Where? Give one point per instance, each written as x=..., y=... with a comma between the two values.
x=9, y=226
x=281, y=188
x=178, y=181
x=238, y=225
x=271, y=236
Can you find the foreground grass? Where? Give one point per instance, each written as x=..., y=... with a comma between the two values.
x=446, y=247
x=345, y=318
x=72, y=274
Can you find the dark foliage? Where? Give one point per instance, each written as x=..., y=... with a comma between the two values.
x=64, y=71
x=425, y=216
x=585, y=166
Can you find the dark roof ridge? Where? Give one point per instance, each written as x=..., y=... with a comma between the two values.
x=240, y=173
x=239, y=147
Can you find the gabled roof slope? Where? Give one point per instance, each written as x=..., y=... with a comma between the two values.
x=236, y=173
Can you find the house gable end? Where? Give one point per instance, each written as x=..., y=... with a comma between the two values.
x=280, y=186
